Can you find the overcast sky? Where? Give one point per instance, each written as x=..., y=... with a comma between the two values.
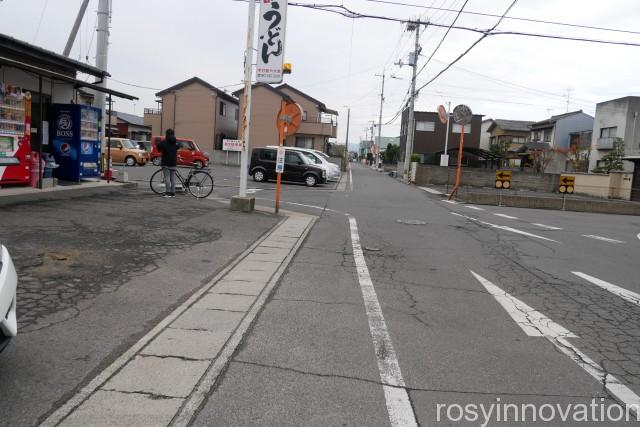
x=160, y=43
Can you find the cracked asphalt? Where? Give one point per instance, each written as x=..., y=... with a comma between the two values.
x=309, y=359
x=95, y=274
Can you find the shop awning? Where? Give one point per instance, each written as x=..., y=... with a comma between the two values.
x=61, y=77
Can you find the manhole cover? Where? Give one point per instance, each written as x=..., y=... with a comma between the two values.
x=411, y=221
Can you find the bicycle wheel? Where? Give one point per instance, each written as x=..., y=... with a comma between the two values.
x=200, y=184
x=157, y=182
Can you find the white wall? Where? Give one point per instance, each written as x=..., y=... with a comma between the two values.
x=610, y=114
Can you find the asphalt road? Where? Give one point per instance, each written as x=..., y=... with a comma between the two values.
x=481, y=305
x=399, y=308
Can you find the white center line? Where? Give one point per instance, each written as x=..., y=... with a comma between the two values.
x=604, y=239
x=535, y=323
x=548, y=227
x=474, y=207
x=395, y=392
x=506, y=216
x=430, y=190
x=504, y=227
x=623, y=293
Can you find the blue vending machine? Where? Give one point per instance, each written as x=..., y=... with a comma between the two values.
x=75, y=140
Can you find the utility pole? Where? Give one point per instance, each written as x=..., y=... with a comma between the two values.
x=74, y=30
x=412, y=125
x=346, y=144
x=380, y=121
x=246, y=117
x=568, y=98
x=446, y=138
x=102, y=50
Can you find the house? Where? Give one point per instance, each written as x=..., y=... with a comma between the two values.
x=617, y=118
x=132, y=127
x=319, y=123
x=197, y=110
x=430, y=136
x=484, y=134
x=515, y=132
x=556, y=132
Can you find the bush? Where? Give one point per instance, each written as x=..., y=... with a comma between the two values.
x=415, y=157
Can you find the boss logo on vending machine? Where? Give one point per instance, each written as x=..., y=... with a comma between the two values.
x=65, y=125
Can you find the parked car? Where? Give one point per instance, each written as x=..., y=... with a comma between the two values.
x=144, y=145
x=297, y=167
x=125, y=151
x=320, y=159
x=8, y=285
x=189, y=154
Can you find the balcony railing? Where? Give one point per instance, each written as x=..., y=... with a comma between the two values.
x=605, y=143
x=151, y=111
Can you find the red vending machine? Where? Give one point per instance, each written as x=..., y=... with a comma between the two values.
x=15, y=135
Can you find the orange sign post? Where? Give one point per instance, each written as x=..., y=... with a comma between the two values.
x=288, y=122
x=461, y=115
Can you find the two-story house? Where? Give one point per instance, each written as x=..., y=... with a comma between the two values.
x=617, y=118
x=557, y=131
x=132, y=127
x=319, y=123
x=198, y=110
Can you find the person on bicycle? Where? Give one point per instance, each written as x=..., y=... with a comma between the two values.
x=169, y=150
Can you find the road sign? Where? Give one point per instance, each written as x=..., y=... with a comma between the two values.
x=231, y=145
x=567, y=183
x=462, y=114
x=280, y=160
x=271, y=36
x=503, y=179
x=442, y=114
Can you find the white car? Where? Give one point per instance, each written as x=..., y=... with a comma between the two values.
x=319, y=159
x=8, y=286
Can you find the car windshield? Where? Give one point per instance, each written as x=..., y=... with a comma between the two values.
x=127, y=143
x=311, y=158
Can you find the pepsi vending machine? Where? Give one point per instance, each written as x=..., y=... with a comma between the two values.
x=75, y=140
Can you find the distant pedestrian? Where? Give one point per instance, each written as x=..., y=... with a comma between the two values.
x=169, y=150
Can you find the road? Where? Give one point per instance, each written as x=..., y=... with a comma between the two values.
x=399, y=308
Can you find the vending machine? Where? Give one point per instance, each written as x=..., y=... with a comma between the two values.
x=75, y=140
x=15, y=135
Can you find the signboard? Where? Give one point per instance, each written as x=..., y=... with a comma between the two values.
x=271, y=35
x=567, y=183
x=503, y=179
x=462, y=114
x=442, y=114
x=232, y=145
x=280, y=160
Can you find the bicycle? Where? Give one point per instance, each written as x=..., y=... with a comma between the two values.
x=199, y=182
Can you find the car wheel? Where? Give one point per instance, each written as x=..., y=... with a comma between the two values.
x=156, y=161
x=310, y=180
x=258, y=175
x=197, y=164
x=130, y=161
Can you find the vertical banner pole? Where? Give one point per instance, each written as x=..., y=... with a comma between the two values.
x=459, y=171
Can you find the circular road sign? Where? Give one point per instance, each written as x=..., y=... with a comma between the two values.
x=498, y=184
x=442, y=114
x=462, y=114
x=563, y=188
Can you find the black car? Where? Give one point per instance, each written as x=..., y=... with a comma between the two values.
x=297, y=168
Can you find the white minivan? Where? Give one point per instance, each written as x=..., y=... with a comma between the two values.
x=319, y=159
x=8, y=286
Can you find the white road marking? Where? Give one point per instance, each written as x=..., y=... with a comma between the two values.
x=350, y=180
x=430, y=190
x=453, y=202
x=604, y=239
x=505, y=216
x=253, y=190
x=548, y=227
x=535, y=323
x=474, y=207
x=395, y=392
x=504, y=227
x=623, y=293
x=638, y=236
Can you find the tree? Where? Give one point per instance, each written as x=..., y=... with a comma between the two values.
x=612, y=161
x=541, y=158
x=391, y=153
x=500, y=147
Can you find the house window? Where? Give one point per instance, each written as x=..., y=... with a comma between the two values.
x=304, y=141
x=547, y=135
x=304, y=116
x=223, y=109
x=426, y=126
x=611, y=132
x=456, y=128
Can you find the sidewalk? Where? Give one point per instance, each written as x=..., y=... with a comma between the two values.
x=168, y=373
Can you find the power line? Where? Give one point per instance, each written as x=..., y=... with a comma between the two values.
x=40, y=21
x=443, y=37
x=474, y=44
x=514, y=18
